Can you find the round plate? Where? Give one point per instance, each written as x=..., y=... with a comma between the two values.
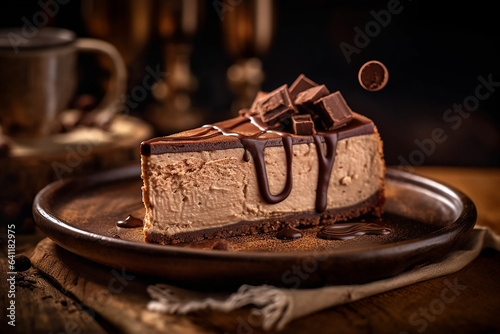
x=427, y=220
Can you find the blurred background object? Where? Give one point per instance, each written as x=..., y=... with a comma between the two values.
x=210, y=58
x=124, y=23
x=39, y=79
x=52, y=137
x=248, y=28
x=176, y=23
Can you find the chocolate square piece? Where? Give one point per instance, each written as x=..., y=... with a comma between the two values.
x=305, y=100
x=333, y=111
x=303, y=125
x=299, y=85
x=275, y=106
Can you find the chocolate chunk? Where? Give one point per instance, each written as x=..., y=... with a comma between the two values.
x=373, y=76
x=276, y=106
x=21, y=262
x=333, y=111
x=305, y=100
x=303, y=125
x=299, y=85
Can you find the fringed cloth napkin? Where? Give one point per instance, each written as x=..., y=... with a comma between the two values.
x=278, y=306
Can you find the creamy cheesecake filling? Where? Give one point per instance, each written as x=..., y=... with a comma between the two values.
x=191, y=191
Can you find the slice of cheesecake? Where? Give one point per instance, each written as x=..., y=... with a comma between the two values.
x=294, y=158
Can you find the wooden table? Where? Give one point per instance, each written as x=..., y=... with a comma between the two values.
x=45, y=307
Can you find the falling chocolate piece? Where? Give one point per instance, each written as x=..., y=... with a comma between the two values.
x=299, y=85
x=334, y=111
x=303, y=125
x=373, y=76
x=305, y=100
x=276, y=106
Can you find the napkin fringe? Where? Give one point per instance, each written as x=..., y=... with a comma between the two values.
x=273, y=306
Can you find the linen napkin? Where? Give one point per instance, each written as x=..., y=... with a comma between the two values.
x=275, y=307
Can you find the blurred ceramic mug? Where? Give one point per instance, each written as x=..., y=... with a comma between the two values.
x=38, y=78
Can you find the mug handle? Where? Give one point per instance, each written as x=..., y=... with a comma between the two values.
x=113, y=99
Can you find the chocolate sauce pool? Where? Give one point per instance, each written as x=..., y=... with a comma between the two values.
x=345, y=231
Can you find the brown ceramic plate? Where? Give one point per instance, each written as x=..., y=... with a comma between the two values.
x=427, y=219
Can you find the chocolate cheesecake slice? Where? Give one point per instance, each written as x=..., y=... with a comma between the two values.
x=277, y=164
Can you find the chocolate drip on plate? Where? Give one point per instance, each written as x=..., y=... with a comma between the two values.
x=289, y=233
x=347, y=231
x=130, y=221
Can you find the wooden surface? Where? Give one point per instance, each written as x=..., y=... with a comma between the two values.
x=82, y=297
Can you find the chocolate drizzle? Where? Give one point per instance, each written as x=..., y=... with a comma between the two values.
x=347, y=231
x=325, y=164
x=256, y=149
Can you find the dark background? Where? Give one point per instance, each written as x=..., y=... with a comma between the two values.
x=434, y=54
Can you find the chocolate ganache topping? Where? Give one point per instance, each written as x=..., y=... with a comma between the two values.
x=304, y=113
